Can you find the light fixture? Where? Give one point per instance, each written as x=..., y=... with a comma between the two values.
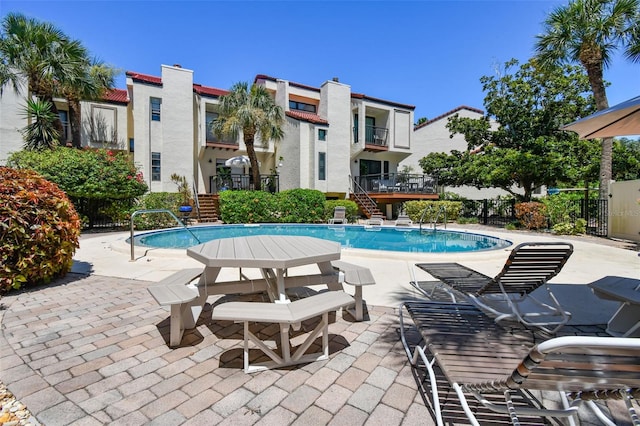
x=211, y=161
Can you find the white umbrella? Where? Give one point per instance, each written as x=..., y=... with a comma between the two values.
x=619, y=120
x=239, y=161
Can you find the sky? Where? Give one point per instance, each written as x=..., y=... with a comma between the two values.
x=429, y=54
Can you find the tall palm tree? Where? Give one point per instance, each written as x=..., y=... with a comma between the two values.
x=89, y=83
x=41, y=54
x=252, y=111
x=589, y=32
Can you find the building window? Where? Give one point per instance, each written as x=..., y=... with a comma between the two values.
x=322, y=134
x=155, y=166
x=301, y=106
x=322, y=166
x=210, y=117
x=64, y=119
x=155, y=109
x=131, y=145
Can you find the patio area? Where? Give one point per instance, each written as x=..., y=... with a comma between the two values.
x=93, y=347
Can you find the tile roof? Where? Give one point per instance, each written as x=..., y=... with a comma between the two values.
x=208, y=91
x=306, y=116
x=136, y=76
x=119, y=96
x=453, y=111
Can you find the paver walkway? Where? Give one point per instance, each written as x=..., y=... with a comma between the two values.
x=92, y=350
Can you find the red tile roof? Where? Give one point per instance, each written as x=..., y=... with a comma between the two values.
x=453, y=111
x=119, y=96
x=306, y=116
x=136, y=76
x=208, y=91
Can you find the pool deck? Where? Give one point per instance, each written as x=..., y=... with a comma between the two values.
x=92, y=348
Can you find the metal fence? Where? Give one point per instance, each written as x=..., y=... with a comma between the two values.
x=502, y=212
x=103, y=213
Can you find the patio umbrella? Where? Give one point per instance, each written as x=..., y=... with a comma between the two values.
x=239, y=161
x=619, y=120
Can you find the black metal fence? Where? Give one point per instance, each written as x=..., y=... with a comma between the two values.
x=503, y=212
x=103, y=213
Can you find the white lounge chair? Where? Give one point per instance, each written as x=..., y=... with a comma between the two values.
x=403, y=220
x=339, y=215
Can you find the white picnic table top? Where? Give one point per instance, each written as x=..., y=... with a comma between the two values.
x=265, y=251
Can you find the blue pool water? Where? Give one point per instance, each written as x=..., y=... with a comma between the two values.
x=349, y=236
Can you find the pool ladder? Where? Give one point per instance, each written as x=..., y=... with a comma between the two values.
x=434, y=222
x=181, y=223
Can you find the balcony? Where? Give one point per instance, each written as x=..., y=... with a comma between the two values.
x=237, y=182
x=214, y=142
x=375, y=138
x=391, y=183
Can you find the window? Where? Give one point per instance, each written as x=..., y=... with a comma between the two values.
x=64, y=119
x=301, y=106
x=155, y=166
x=322, y=134
x=155, y=109
x=322, y=166
x=131, y=145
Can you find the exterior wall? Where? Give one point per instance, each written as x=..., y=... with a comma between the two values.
x=624, y=210
x=173, y=135
x=435, y=137
x=104, y=125
x=335, y=105
x=11, y=121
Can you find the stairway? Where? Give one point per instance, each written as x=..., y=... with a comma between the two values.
x=366, y=204
x=209, y=205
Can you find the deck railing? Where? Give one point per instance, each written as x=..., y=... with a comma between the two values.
x=236, y=182
x=398, y=182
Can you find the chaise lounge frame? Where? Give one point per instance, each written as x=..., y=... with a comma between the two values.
x=478, y=356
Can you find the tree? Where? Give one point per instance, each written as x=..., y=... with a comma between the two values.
x=421, y=120
x=517, y=143
x=41, y=132
x=252, y=112
x=90, y=82
x=626, y=159
x=589, y=32
x=42, y=55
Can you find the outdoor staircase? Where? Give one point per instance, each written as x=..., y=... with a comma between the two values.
x=366, y=204
x=209, y=207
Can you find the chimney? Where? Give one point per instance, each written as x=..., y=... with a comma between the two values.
x=336, y=79
x=177, y=65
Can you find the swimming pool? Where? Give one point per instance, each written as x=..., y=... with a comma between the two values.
x=349, y=236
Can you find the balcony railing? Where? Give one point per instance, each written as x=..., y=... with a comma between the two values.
x=236, y=182
x=373, y=135
x=399, y=182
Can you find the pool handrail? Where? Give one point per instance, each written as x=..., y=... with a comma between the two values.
x=131, y=240
x=441, y=209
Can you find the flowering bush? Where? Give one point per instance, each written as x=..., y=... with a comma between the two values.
x=85, y=173
x=39, y=230
x=532, y=215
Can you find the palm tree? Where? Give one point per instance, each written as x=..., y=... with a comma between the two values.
x=41, y=54
x=41, y=132
x=589, y=32
x=252, y=111
x=89, y=83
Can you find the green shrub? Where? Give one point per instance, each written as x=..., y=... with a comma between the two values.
x=39, y=230
x=560, y=208
x=469, y=220
x=301, y=206
x=570, y=228
x=157, y=200
x=351, y=209
x=415, y=210
x=532, y=215
x=248, y=207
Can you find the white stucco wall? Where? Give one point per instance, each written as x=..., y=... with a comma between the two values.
x=335, y=105
x=624, y=210
x=435, y=137
x=11, y=121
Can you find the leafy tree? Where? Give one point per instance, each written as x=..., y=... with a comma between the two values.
x=421, y=120
x=626, y=159
x=524, y=148
x=589, y=32
x=41, y=132
x=41, y=54
x=253, y=112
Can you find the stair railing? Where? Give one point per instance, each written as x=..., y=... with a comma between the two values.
x=357, y=190
x=137, y=212
x=196, y=200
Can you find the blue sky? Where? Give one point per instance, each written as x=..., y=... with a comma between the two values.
x=430, y=54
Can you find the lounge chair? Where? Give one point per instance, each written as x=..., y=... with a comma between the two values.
x=374, y=220
x=482, y=361
x=529, y=267
x=339, y=215
x=403, y=220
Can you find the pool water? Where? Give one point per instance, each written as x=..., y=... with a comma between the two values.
x=349, y=236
